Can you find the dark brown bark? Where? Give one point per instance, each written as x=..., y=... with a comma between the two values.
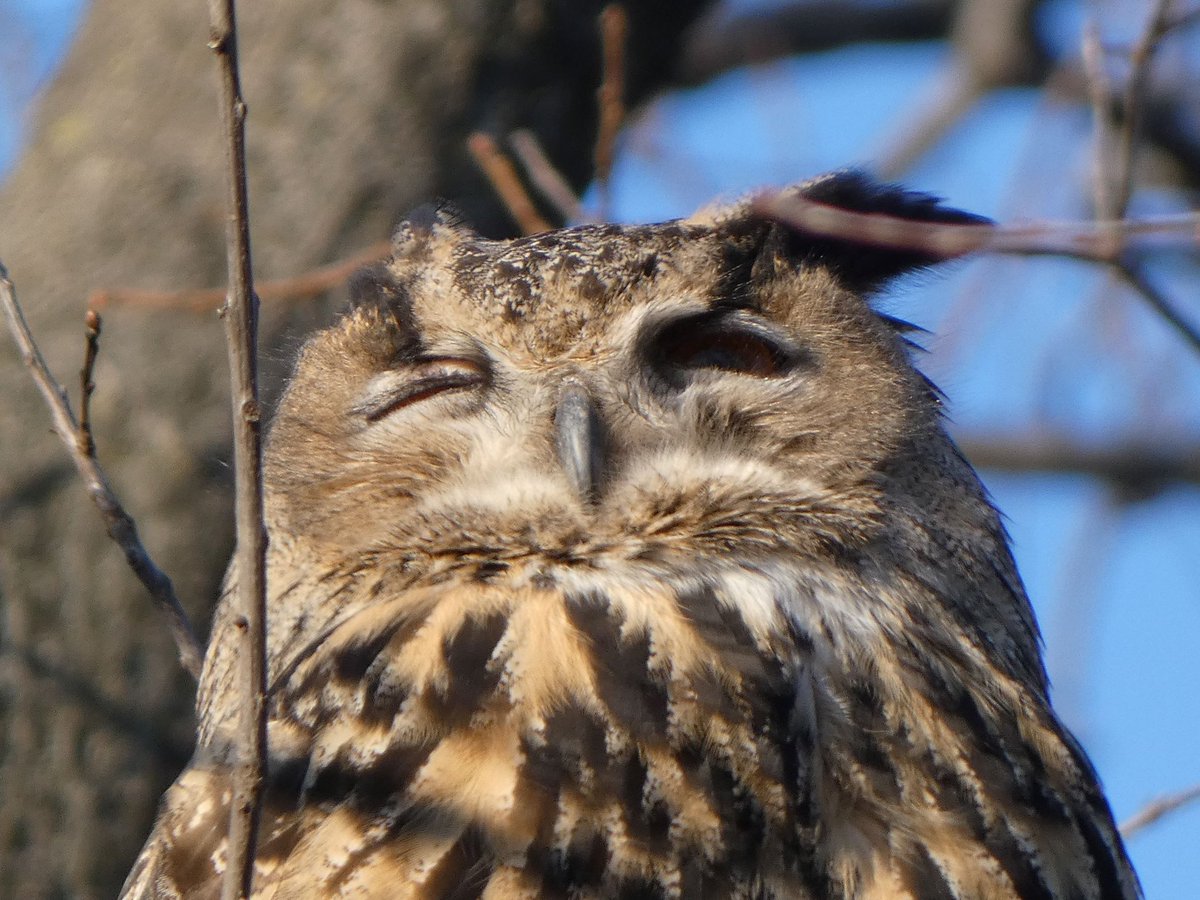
x=358, y=111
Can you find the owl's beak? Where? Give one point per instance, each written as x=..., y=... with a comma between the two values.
x=579, y=439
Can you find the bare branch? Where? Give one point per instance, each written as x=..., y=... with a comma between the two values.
x=997, y=42
x=300, y=287
x=1133, y=275
x=956, y=95
x=117, y=522
x=614, y=32
x=86, y=384
x=1104, y=122
x=1185, y=19
x=241, y=322
x=994, y=45
x=545, y=176
x=1095, y=241
x=506, y=182
x=1117, y=125
x=1137, y=468
x=1102, y=242
x=1160, y=23
x=1157, y=809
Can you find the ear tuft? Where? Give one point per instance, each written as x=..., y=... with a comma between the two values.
x=380, y=301
x=856, y=191
x=861, y=264
x=426, y=222
x=375, y=286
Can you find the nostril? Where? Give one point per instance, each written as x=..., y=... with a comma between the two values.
x=578, y=438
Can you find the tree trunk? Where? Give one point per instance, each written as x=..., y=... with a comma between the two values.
x=358, y=111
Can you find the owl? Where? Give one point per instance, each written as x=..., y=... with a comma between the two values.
x=635, y=562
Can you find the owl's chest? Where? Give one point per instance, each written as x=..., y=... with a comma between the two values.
x=622, y=738
x=615, y=737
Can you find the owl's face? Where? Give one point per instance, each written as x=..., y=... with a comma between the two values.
x=628, y=389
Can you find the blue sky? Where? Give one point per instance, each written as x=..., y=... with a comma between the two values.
x=1017, y=344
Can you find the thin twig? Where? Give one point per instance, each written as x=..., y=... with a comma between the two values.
x=614, y=32
x=1163, y=806
x=1102, y=242
x=117, y=522
x=1140, y=59
x=1096, y=241
x=1104, y=191
x=86, y=384
x=550, y=182
x=300, y=287
x=1117, y=126
x=1185, y=19
x=506, y=182
x=241, y=323
x=1137, y=468
x=992, y=47
x=955, y=95
x=1133, y=276
x=1116, y=145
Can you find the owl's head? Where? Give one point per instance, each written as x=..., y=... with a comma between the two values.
x=719, y=383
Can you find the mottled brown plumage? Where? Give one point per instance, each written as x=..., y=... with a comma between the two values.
x=634, y=562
